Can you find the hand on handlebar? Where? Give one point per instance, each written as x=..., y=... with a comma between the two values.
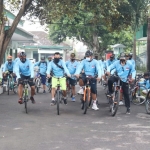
x=77, y=75
x=48, y=76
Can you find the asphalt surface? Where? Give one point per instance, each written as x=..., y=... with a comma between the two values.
x=43, y=129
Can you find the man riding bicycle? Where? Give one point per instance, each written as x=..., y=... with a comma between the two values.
x=90, y=67
x=72, y=65
x=42, y=70
x=24, y=70
x=8, y=66
x=58, y=68
x=123, y=69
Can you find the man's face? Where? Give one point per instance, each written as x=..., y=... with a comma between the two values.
x=122, y=62
x=111, y=58
x=88, y=58
x=9, y=60
x=127, y=57
x=57, y=56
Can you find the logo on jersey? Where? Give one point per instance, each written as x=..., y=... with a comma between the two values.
x=127, y=68
x=93, y=66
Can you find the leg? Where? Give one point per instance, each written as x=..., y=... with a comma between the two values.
x=93, y=84
x=20, y=91
x=125, y=88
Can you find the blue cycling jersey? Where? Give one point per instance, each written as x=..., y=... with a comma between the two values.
x=109, y=62
x=8, y=66
x=123, y=71
x=42, y=67
x=90, y=68
x=72, y=66
x=25, y=68
x=57, y=71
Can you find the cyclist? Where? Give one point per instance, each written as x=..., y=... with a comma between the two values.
x=132, y=61
x=111, y=60
x=42, y=70
x=58, y=68
x=90, y=67
x=8, y=66
x=72, y=65
x=15, y=61
x=49, y=59
x=123, y=69
x=24, y=70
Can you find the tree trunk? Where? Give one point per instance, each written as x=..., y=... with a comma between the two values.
x=148, y=45
x=5, y=36
x=134, y=47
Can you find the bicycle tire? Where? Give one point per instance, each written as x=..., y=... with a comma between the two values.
x=138, y=96
x=147, y=103
x=86, y=102
x=114, y=107
x=25, y=103
x=58, y=102
x=8, y=86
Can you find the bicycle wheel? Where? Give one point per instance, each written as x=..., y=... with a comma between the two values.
x=147, y=103
x=86, y=102
x=139, y=95
x=114, y=104
x=58, y=102
x=8, y=86
x=38, y=83
x=25, y=102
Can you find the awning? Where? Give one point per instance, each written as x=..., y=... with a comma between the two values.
x=142, y=39
x=41, y=51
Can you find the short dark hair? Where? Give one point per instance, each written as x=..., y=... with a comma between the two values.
x=56, y=53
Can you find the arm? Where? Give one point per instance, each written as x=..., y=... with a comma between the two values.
x=98, y=69
x=65, y=68
x=4, y=67
x=79, y=68
x=111, y=67
x=31, y=69
x=36, y=64
x=133, y=71
x=17, y=69
x=49, y=68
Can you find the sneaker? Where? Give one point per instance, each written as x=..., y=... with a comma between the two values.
x=109, y=94
x=73, y=99
x=44, y=91
x=95, y=106
x=32, y=100
x=128, y=111
x=65, y=101
x=121, y=103
x=20, y=101
x=80, y=91
x=53, y=102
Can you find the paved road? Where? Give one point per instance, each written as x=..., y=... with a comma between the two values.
x=42, y=129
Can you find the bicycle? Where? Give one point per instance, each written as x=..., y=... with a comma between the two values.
x=25, y=95
x=86, y=97
x=69, y=88
x=38, y=83
x=10, y=83
x=49, y=85
x=138, y=93
x=113, y=100
x=58, y=94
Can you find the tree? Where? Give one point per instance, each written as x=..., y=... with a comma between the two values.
x=32, y=8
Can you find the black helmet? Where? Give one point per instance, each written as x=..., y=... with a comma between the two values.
x=112, y=56
x=42, y=57
x=88, y=53
x=49, y=57
x=22, y=54
x=122, y=56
